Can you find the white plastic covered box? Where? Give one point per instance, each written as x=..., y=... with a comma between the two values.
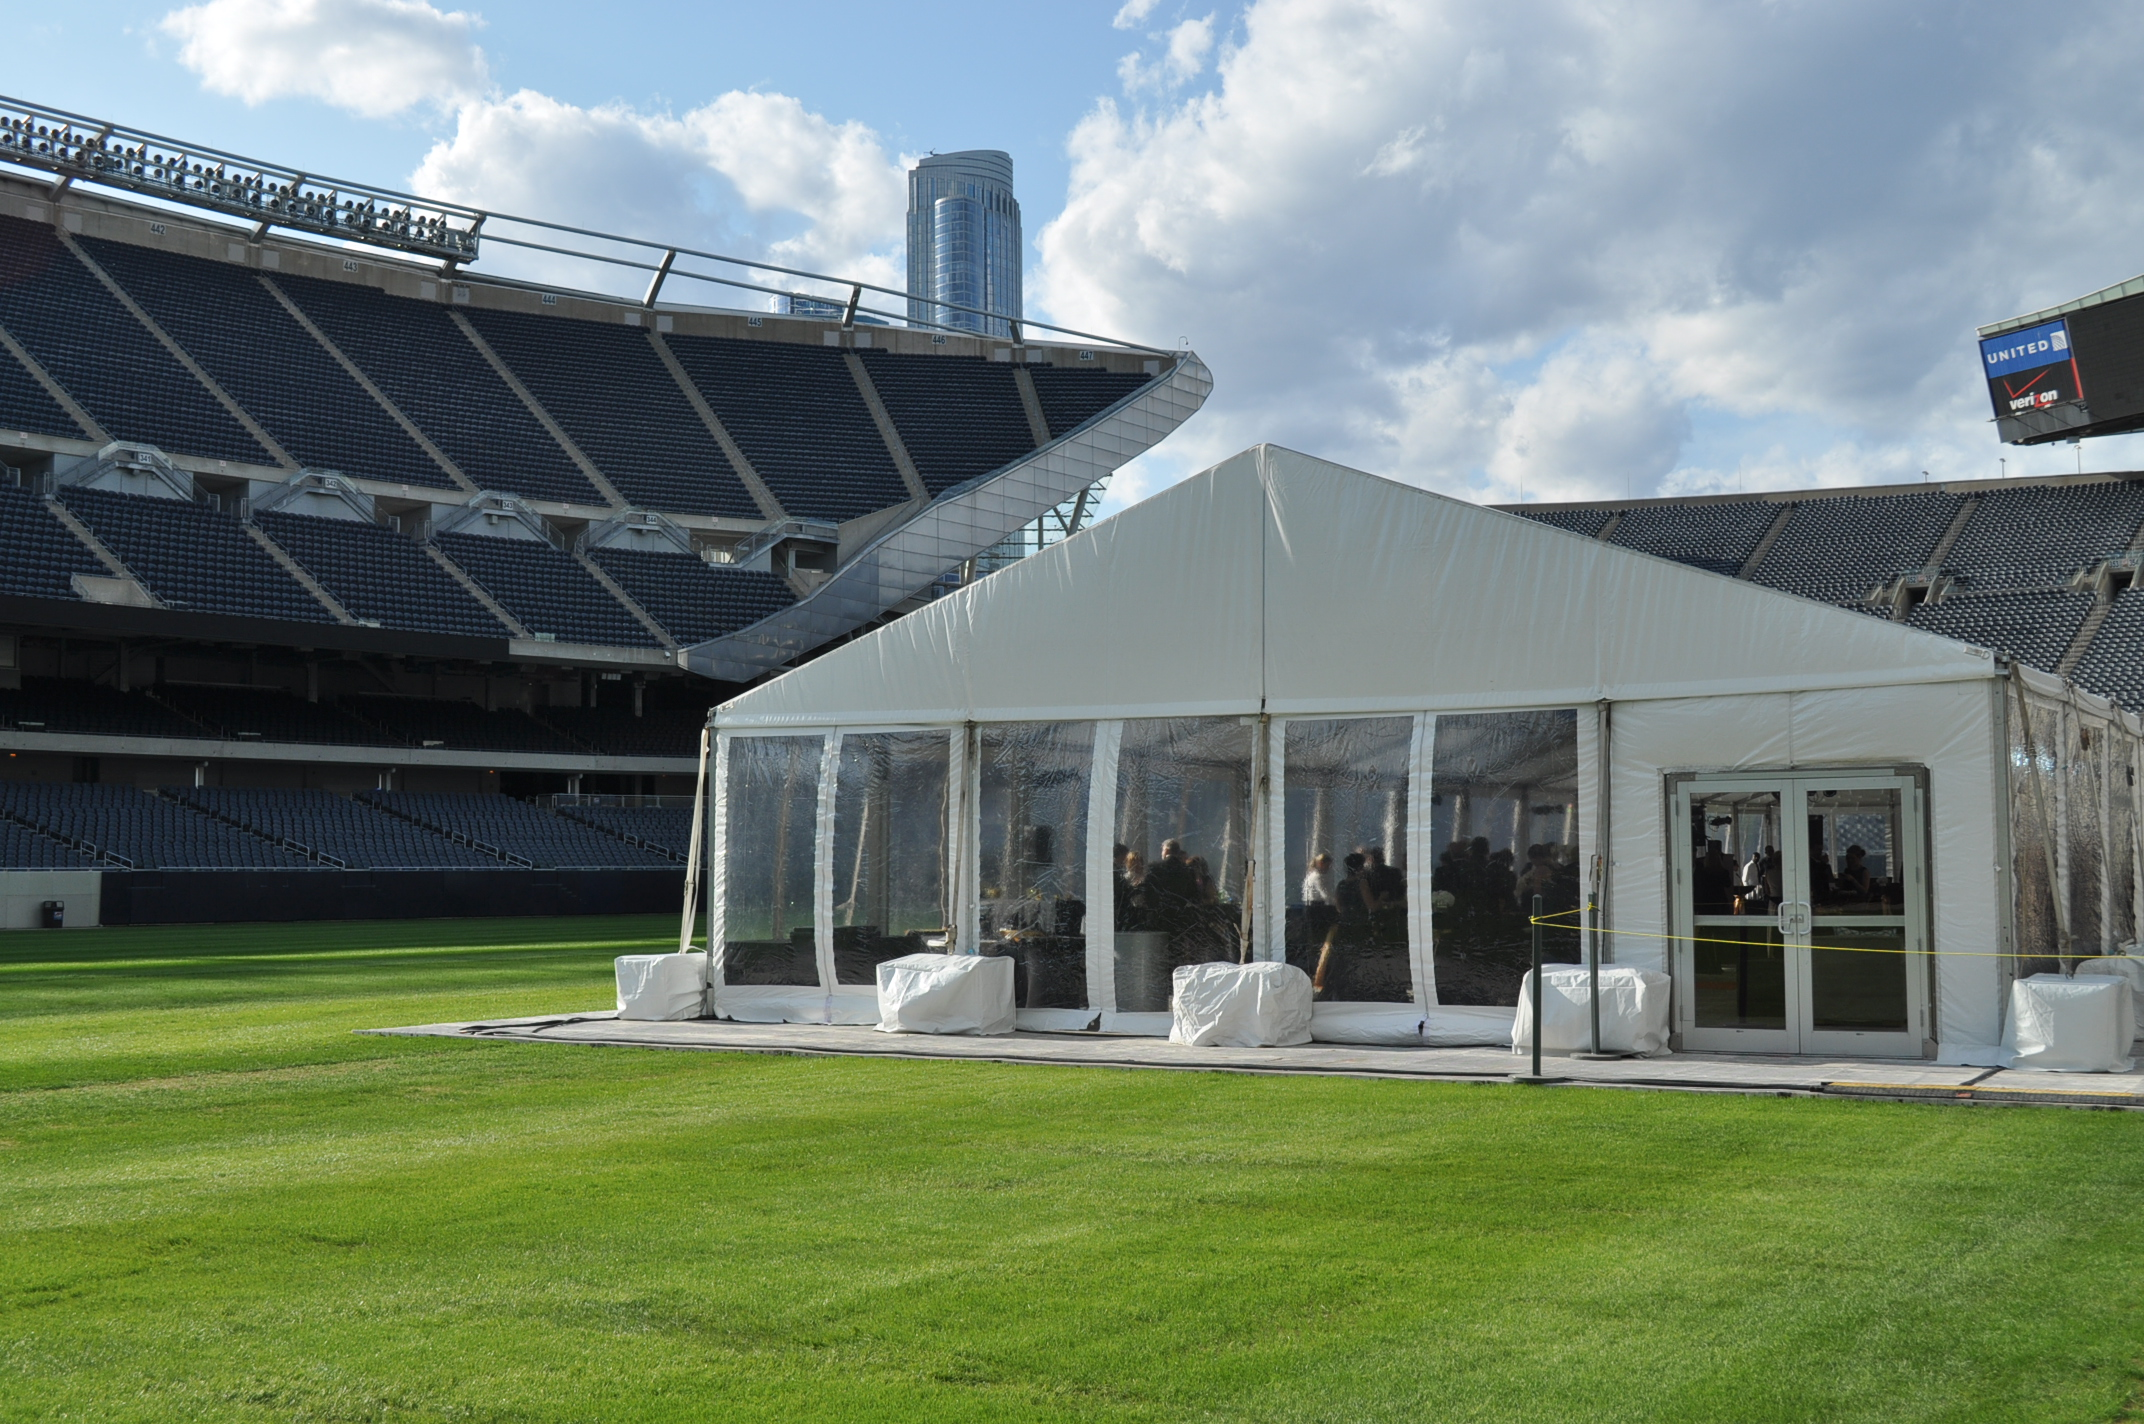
x=2061, y=1025
x=946, y=993
x=1634, y=1010
x=1239, y=1005
x=661, y=986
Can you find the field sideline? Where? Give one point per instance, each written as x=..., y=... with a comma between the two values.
x=221, y=1203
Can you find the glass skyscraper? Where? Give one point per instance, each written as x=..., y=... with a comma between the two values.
x=964, y=240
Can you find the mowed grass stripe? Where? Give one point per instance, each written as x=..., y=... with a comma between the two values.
x=219, y=1203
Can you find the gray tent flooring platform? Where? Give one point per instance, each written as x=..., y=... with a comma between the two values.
x=1688, y=1072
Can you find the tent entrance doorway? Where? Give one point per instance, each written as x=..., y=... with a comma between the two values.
x=1801, y=913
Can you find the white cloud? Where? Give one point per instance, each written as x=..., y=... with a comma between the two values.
x=1183, y=58
x=373, y=57
x=1481, y=246
x=757, y=175
x=1134, y=14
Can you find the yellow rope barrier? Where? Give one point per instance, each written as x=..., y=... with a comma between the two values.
x=1545, y=922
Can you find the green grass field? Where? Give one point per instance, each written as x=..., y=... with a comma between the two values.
x=217, y=1202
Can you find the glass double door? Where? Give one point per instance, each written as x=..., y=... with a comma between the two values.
x=1801, y=914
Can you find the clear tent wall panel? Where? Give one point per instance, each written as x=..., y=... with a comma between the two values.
x=2035, y=761
x=244, y=338
x=892, y=817
x=1183, y=815
x=2080, y=800
x=1504, y=827
x=2122, y=833
x=1344, y=880
x=1033, y=781
x=419, y=358
x=770, y=807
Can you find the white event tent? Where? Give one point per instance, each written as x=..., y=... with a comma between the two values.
x=1835, y=832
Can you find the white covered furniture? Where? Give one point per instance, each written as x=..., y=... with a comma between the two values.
x=2063, y=1025
x=1634, y=1010
x=946, y=993
x=661, y=987
x=1239, y=1005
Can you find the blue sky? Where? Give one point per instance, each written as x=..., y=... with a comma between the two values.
x=1567, y=250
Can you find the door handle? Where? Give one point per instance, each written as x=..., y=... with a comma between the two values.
x=1785, y=916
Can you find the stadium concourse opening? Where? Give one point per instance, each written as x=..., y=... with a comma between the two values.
x=342, y=578
x=1396, y=718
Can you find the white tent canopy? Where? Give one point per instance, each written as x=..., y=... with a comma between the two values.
x=1276, y=591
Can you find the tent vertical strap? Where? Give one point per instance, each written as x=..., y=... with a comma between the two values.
x=1101, y=922
x=963, y=875
x=692, y=855
x=716, y=875
x=1602, y=865
x=1270, y=914
x=822, y=866
x=1421, y=786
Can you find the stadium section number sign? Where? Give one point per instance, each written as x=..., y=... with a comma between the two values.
x=2031, y=369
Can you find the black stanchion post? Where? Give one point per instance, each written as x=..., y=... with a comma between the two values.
x=1593, y=966
x=1537, y=986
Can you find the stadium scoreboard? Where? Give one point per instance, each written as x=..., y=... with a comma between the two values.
x=2069, y=375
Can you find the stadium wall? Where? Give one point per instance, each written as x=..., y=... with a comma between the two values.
x=23, y=894
x=146, y=897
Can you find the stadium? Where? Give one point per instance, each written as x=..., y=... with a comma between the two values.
x=339, y=572
x=579, y=814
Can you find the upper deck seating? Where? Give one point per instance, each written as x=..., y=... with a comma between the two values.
x=958, y=416
x=797, y=415
x=1838, y=550
x=1719, y=537
x=1071, y=396
x=609, y=390
x=227, y=320
x=108, y=361
x=693, y=599
x=546, y=590
x=192, y=556
x=378, y=574
x=26, y=405
x=413, y=351
x=39, y=555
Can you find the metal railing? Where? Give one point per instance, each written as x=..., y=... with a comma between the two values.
x=77, y=148
x=74, y=148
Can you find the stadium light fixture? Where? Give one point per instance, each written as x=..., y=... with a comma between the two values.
x=73, y=148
